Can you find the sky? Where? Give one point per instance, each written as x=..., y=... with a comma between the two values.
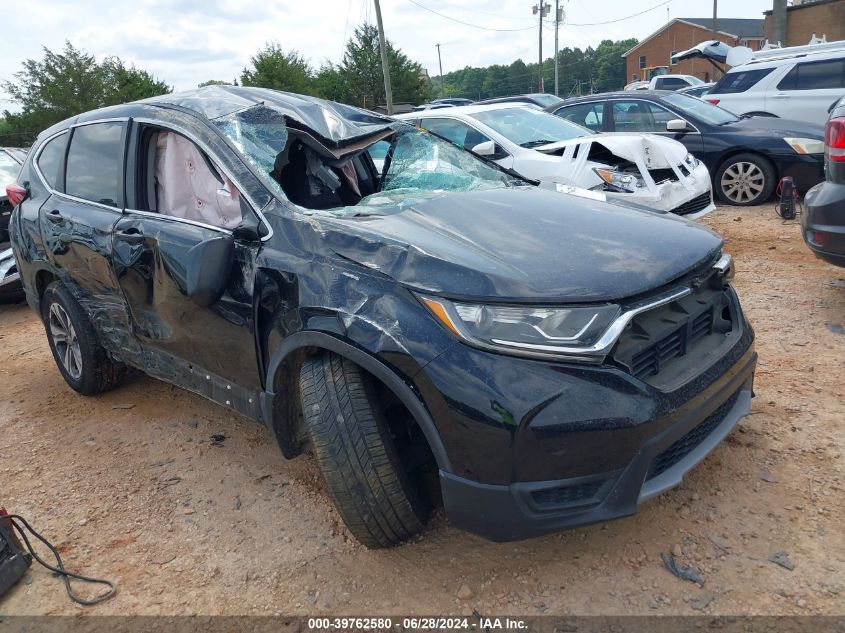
x=185, y=42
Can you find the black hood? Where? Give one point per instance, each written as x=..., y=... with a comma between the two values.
x=770, y=126
x=522, y=244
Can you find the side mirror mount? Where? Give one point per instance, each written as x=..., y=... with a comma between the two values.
x=676, y=125
x=251, y=229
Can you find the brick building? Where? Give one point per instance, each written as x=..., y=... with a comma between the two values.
x=822, y=17
x=683, y=33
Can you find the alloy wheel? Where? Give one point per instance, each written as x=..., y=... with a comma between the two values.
x=742, y=182
x=65, y=341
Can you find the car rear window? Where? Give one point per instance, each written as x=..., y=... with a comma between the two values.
x=671, y=83
x=95, y=163
x=51, y=157
x=815, y=76
x=739, y=81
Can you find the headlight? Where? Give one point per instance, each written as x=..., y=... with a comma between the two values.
x=619, y=179
x=805, y=145
x=691, y=161
x=545, y=330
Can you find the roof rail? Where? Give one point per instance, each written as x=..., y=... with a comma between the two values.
x=794, y=51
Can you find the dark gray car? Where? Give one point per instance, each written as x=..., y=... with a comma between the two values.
x=823, y=223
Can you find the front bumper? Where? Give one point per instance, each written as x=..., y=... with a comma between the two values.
x=10, y=279
x=692, y=197
x=823, y=222
x=686, y=436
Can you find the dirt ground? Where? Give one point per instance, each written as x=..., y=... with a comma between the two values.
x=131, y=488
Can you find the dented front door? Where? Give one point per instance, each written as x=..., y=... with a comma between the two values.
x=208, y=348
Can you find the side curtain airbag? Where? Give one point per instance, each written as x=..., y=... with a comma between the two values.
x=189, y=186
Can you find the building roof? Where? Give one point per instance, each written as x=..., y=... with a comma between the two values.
x=732, y=27
x=740, y=27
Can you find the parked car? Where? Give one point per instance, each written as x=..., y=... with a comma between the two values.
x=447, y=102
x=746, y=156
x=10, y=281
x=697, y=91
x=439, y=330
x=823, y=221
x=636, y=85
x=11, y=159
x=673, y=82
x=792, y=83
x=645, y=169
x=542, y=99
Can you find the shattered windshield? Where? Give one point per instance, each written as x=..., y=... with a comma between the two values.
x=530, y=128
x=410, y=165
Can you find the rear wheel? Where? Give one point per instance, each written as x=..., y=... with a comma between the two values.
x=354, y=448
x=745, y=180
x=82, y=361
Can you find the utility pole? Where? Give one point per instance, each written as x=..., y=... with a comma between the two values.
x=715, y=3
x=779, y=22
x=385, y=68
x=558, y=20
x=542, y=10
x=440, y=62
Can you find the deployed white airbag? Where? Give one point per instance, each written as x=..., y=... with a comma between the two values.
x=190, y=187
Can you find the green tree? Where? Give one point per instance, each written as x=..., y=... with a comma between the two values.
x=330, y=83
x=122, y=84
x=609, y=65
x=273, y=68
x=67, y=83
x=362, y=73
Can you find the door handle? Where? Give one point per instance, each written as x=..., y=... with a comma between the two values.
x=780, y=95
x=130, y=236
x=54, y=216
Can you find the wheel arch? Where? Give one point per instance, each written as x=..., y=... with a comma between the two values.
x=280, y=406
x=734, y=151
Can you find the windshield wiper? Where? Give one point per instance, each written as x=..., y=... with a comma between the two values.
x=537, y=143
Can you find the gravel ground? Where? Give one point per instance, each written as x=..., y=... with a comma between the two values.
x=130, y=487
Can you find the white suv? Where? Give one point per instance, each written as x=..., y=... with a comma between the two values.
x=673, y=82
x=797, y=84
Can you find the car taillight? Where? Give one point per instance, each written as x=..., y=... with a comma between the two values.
x=16, y=194
x=834, y=140
x=714, y=101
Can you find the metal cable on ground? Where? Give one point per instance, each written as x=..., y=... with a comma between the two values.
x=60, y=570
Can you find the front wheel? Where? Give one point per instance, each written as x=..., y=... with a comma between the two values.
x=354, y=448
x=745, y=180
x=82, y=361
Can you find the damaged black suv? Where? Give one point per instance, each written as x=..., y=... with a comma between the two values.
x=432, y=328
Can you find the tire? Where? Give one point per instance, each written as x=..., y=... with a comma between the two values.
x=356, y=454
x=744, y=180
x=82, y=361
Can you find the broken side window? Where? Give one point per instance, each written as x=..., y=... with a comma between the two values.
x=260, y=134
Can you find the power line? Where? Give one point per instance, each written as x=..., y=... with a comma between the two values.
x=475, y=26
x=497, y=15
x=627, y=17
